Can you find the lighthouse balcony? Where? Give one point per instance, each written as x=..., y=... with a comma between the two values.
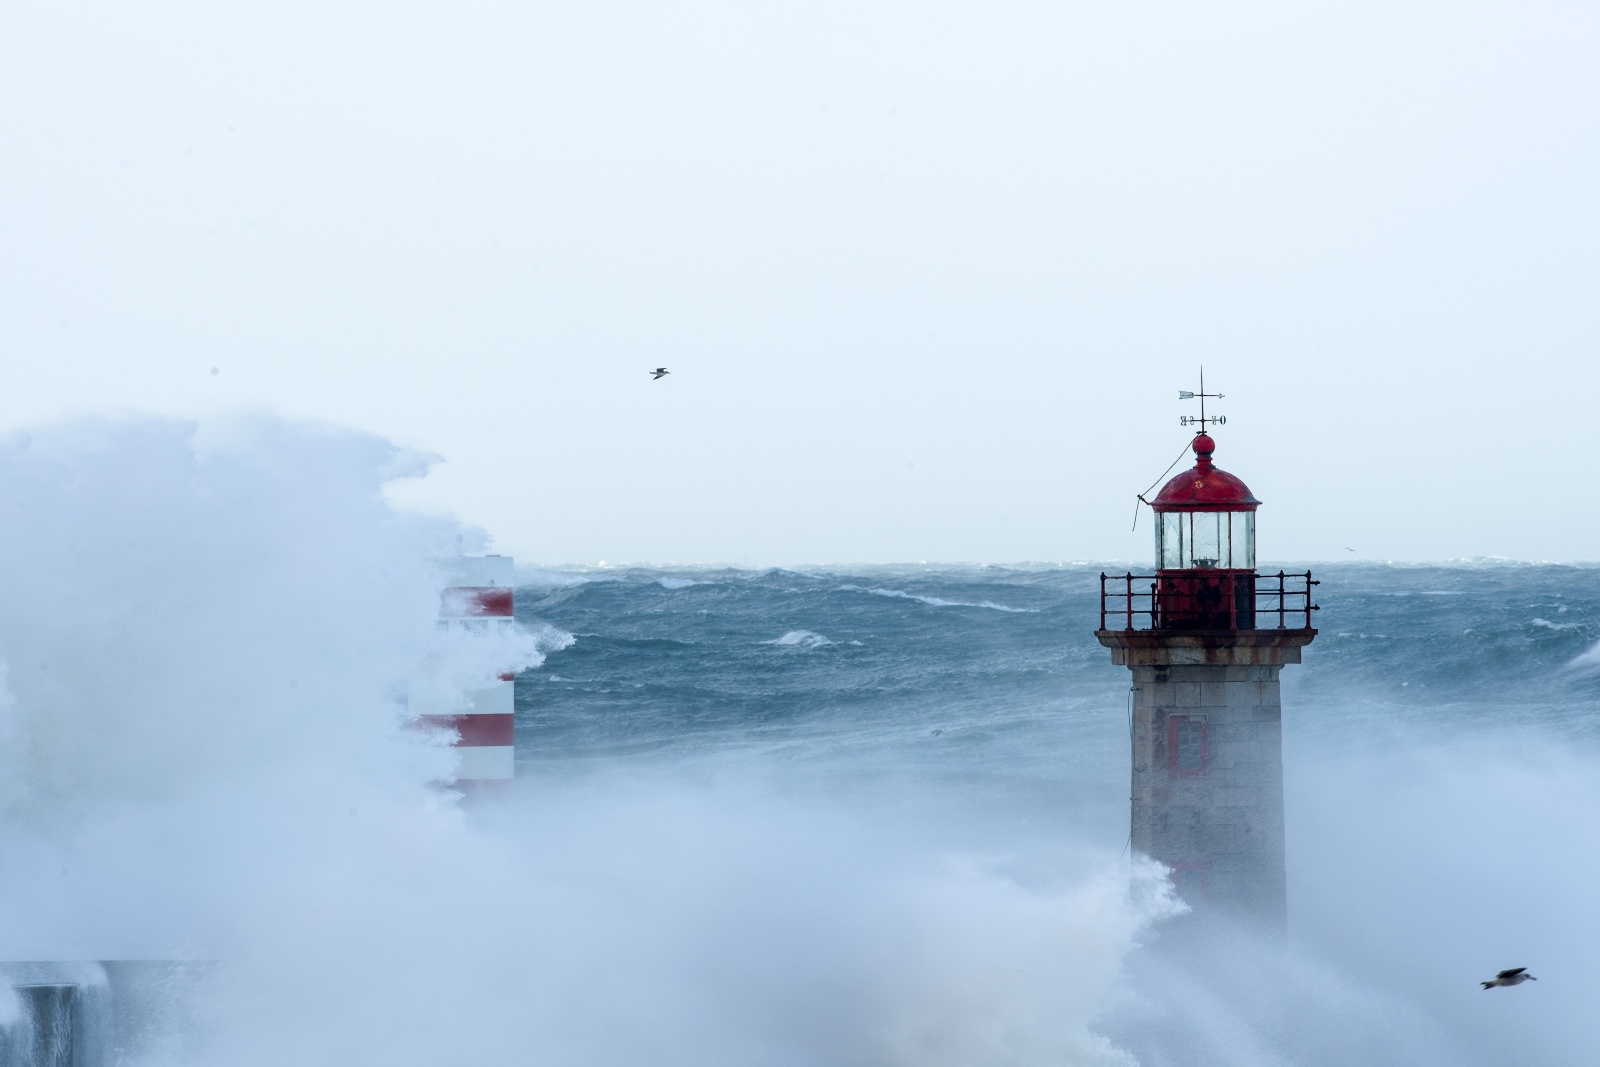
x=1206, y=600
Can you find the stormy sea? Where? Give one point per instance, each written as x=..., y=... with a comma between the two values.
x=1442, y=774
x=818, y=815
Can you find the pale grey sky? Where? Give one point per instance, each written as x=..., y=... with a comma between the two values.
x=928, y=277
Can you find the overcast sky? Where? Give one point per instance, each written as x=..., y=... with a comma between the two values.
x=928, y=277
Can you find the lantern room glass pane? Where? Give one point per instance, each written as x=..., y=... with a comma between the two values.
x=1169, y=539
x=1210, y=538
x=1244, y=540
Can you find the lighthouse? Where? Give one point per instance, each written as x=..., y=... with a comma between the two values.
x=480, y=599
x=1206, y=637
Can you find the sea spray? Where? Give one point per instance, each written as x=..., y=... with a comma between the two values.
x=206, y=759
x=1442, y=776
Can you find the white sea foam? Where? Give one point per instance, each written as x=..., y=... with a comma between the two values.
x=802, y=638
x=676, y=583
x=937, y=602
x=1547, y=624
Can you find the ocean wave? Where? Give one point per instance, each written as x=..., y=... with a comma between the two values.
x=542, y=580
x=676, y=583
x=1556, y=625
x=938, y=602
x=1587, y=662
x=800, y=638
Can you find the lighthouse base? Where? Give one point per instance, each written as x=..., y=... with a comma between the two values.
x=1207, y=748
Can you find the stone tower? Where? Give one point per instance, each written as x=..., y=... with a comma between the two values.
x=1206, y=638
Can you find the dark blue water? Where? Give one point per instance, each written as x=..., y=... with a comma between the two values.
x=983, y=688
x=970, y=686
x=998, y=667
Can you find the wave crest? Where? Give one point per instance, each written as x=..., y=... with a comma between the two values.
x=800, y=638
x=939, y=602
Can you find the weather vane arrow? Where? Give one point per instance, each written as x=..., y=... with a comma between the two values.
x=1202, y=396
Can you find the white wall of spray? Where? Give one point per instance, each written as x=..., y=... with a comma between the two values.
x=166, y=586
x=1422, y=859
x=206, y=630
x=1433, y=859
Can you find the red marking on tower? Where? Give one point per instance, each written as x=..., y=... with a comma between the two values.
x=479, y=599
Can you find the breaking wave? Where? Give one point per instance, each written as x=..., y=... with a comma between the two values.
x=938, y=602
x=801, y=638
x=205, y=638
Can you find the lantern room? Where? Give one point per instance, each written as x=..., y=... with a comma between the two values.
x=1205, y=575
x=1205, y=548
x=1205, y=518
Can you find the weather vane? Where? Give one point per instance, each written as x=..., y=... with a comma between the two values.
x=1202, y=396
x=1186, y=420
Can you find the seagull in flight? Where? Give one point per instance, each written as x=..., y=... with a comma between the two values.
x=1515, y=976
x=659, y=373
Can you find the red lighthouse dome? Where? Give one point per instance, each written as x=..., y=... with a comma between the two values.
x=1205, y=518
x=1205, y=488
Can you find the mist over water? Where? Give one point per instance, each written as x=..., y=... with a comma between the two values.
x=857, y=816
x=1440, y=757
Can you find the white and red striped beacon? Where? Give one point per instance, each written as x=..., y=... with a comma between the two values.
x=479, y=598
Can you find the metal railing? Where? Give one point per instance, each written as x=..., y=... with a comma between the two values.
x=1162, y=602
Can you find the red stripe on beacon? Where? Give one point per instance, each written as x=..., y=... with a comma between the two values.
x=479, y=599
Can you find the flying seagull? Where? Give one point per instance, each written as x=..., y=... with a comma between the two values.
x=1515, y=976
x=657, y=374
